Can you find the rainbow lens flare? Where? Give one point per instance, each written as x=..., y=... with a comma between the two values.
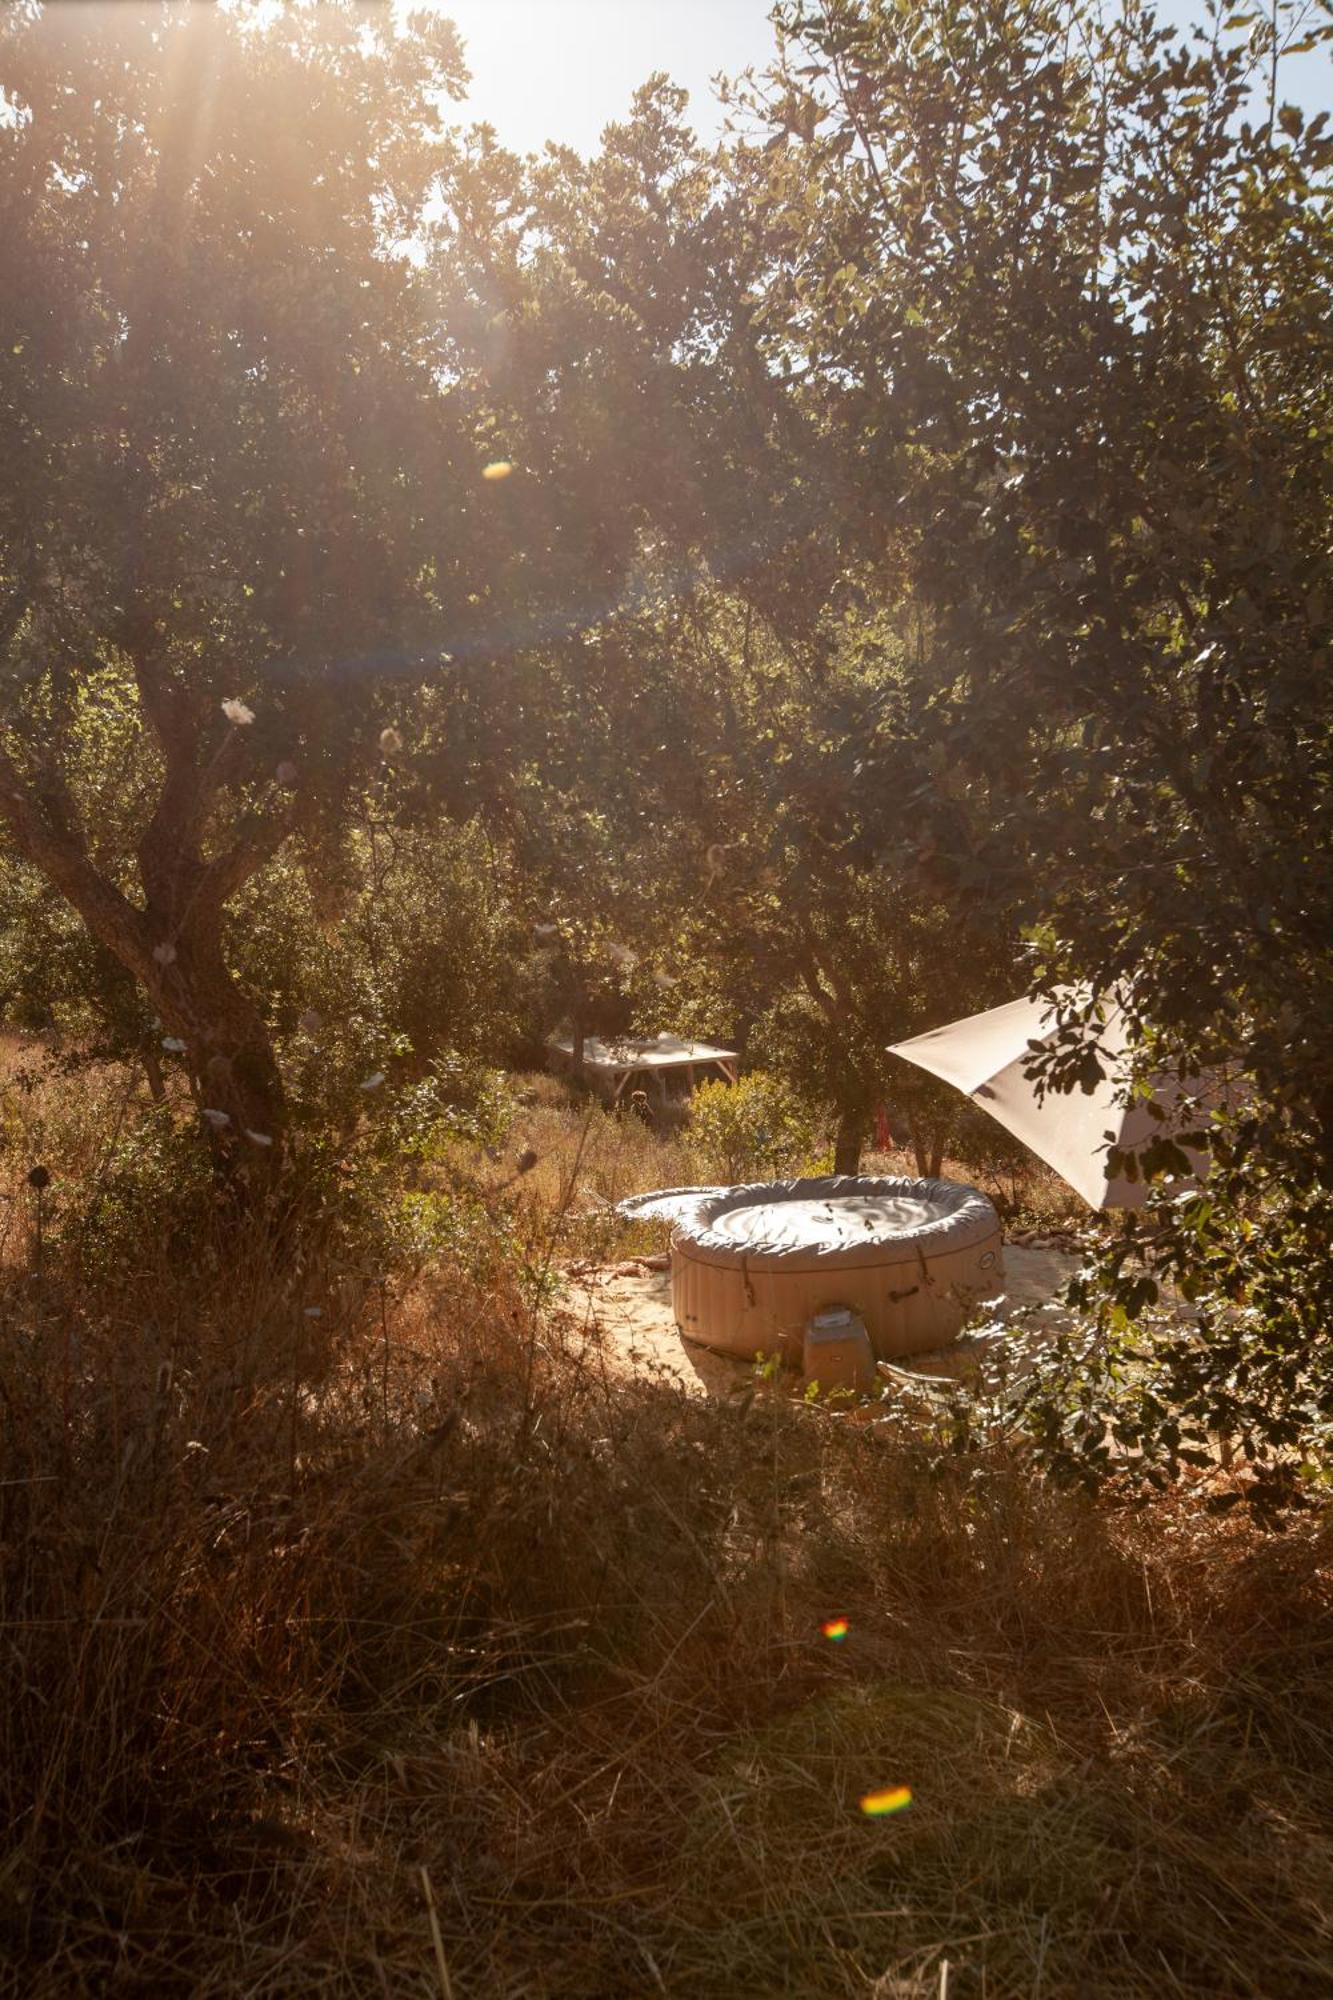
x=878, y=1805
x=835, y=1629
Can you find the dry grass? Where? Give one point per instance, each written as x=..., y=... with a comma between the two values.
x=315, y=1631
x=589, y=1158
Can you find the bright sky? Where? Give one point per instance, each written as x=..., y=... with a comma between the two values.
x=562, y=69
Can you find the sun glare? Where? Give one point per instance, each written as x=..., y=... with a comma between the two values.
x=879, y=1805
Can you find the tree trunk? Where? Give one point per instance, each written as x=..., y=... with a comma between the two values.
x=152, y=1069
x=847, y=1145
x=927, y=1150
x=233, y=1071
x=173, y=945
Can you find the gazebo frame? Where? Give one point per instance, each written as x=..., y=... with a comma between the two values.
x=610, y=1065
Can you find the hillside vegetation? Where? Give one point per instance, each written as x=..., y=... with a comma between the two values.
x=316, y=1625
x=791, y=592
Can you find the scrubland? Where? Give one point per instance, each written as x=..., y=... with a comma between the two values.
x=362, y=1633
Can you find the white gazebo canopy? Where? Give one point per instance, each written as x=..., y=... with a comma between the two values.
x=615, y=1062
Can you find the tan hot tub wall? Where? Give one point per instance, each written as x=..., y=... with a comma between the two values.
x=913, y=1293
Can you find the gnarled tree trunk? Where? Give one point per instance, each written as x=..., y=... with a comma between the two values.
x=172, y=944
x=228, y=1052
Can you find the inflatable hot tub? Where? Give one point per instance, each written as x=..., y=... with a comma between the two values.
x=750, y=1265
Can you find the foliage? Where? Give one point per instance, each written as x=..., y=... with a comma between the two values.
x=221, y=422
x=1207, y=1340
x=902, y=580
x=45, y=952
x=754, y=1129
x=415, y=967
x=1079, y=268
x=153, y=1194
x=454, y=1101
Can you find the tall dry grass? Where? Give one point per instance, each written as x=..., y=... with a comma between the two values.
x=590, y=1158
x=404, y=1650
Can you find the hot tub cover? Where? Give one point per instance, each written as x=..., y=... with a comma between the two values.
x=842, y=1219
x=667, y=1204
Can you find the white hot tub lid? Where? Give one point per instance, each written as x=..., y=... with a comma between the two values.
x=843, y=1219
x=667, y=1204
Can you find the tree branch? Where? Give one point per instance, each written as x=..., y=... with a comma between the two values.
x=58, y=852
x=257, y=842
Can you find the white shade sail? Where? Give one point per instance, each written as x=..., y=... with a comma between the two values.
x=986, y=1055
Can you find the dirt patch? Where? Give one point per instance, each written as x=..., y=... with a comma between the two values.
x=629, y=1307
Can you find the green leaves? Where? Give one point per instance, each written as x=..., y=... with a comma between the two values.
x=1111, y=502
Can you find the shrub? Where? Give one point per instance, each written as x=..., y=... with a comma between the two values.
x=751, y=1129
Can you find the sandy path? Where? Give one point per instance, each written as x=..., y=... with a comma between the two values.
x=631, y=1309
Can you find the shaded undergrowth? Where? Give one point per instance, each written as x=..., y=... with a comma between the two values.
x=450, y=1602
x=335, y=1608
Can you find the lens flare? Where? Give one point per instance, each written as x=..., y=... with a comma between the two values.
x=877, y=1805
x=835, y=1629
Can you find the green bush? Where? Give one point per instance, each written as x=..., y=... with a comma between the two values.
x=754, y=1129
x=153, y=1196
x=413, y=967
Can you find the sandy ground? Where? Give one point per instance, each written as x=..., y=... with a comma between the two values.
x=629, y=1308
